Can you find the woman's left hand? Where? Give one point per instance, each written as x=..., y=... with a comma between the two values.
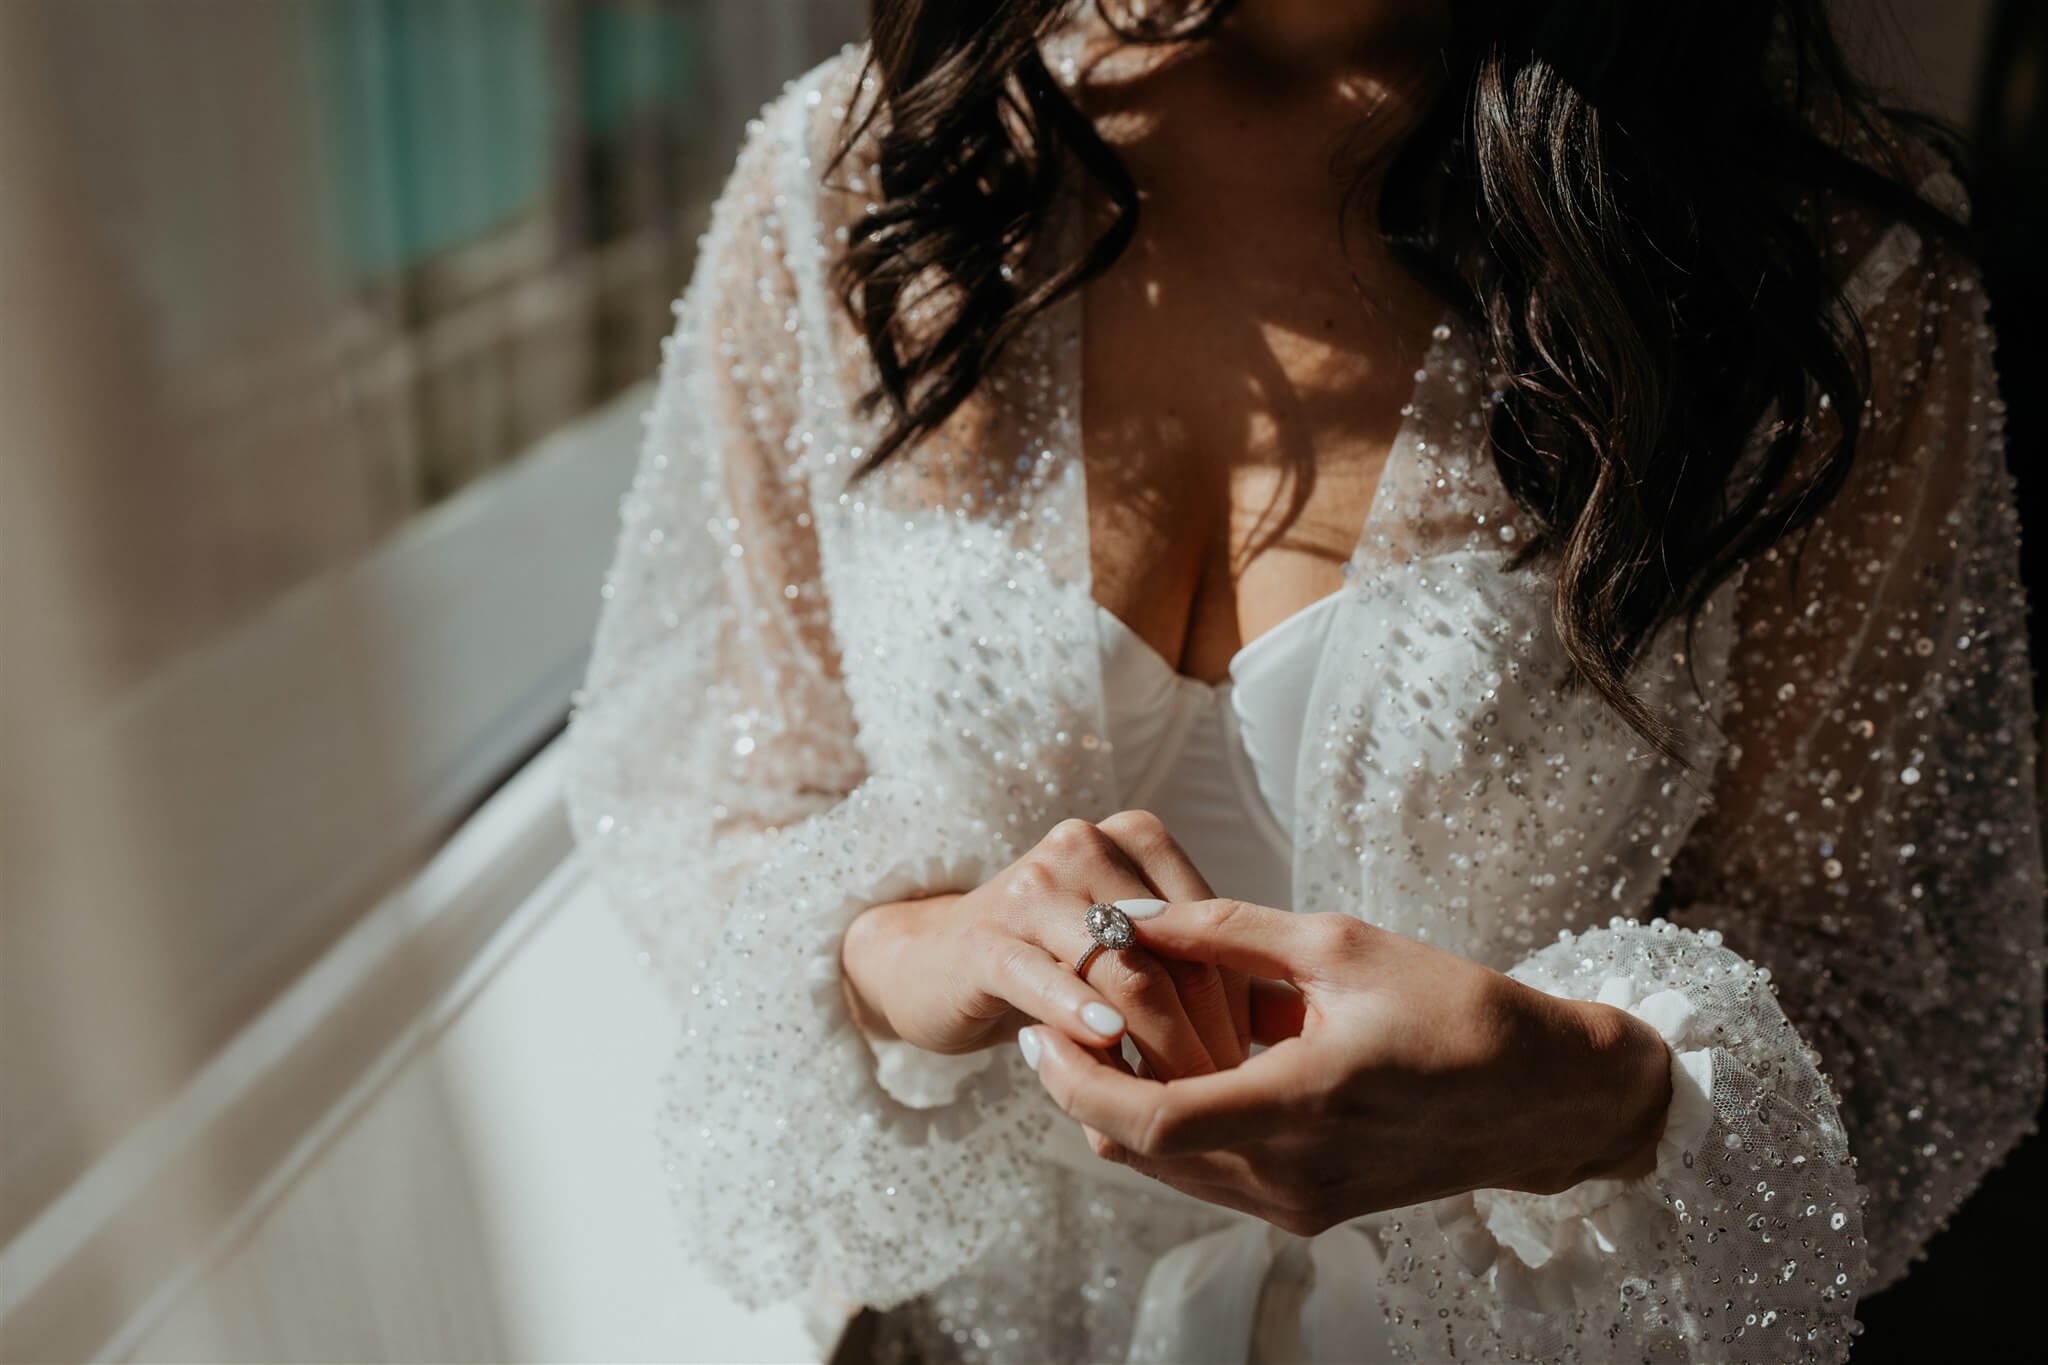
x=1396, y=1073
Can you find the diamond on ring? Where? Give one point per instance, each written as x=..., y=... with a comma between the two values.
x=1110, y=926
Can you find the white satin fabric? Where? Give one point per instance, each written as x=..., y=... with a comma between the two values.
x=1216, y=761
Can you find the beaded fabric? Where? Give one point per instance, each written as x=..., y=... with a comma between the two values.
x=810, y=696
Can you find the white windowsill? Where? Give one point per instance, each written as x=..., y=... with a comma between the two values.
x=498, y=987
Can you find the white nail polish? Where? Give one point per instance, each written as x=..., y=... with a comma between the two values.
x=1140, y=909
x=1102, y=1019
x=1028, y=1044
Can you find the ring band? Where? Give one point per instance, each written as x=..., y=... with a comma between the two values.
x=1109, y=927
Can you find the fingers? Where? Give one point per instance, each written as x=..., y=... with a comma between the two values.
x=1078, y=862
x=1164, y=1118
x=1157, y=855
x=1205, y=997
x=1213, y=1177
x=1140, y=985
x=1214, y=1001
x=1029, y=979
x=1237, y=991
x=1228, y=1179
x=1278, y=1011
x=1276, y=944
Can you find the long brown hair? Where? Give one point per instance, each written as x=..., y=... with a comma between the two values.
x=1620, y=196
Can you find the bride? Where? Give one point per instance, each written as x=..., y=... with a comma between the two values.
x=1339, y=681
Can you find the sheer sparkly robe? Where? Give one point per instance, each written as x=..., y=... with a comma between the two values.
x=809, y=696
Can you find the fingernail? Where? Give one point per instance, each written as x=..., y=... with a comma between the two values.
x=1102, y=1019
x=1140, y=909
x=1028, y=1044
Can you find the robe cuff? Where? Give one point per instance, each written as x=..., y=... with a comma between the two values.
x=1549, y=1253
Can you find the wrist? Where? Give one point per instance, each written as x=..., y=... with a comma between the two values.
x=869, y=943
x=1633, y=1064
x=872, y=967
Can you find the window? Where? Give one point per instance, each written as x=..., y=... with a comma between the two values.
x=329, y=326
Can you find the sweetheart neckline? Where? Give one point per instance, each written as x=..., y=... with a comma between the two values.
x=1255, y=644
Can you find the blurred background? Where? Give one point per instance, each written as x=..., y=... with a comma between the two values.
x=325, y=331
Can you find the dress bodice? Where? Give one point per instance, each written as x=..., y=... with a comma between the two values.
x=1217, y=761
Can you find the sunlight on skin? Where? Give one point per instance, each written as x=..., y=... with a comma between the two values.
x=1220, y=509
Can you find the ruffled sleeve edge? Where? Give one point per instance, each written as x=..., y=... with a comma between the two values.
x=917, y=1095
x=1547, y=1253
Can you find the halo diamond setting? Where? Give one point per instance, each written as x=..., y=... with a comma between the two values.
x=1110, y=926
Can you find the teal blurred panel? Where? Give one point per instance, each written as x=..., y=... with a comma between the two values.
x=638, y=61
x=438, y=116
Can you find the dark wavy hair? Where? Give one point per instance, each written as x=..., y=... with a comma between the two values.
x=1622, y=197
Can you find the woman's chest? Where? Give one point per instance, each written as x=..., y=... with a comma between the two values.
x=1234, y=426
x=1446, y=785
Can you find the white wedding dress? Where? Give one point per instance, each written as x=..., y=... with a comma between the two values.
x=810, y=694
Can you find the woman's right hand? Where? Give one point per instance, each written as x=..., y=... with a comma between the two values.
x=957, y=973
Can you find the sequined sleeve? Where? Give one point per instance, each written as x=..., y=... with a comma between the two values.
x=1848, y=963
x=721, y=793
x=711, y=717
